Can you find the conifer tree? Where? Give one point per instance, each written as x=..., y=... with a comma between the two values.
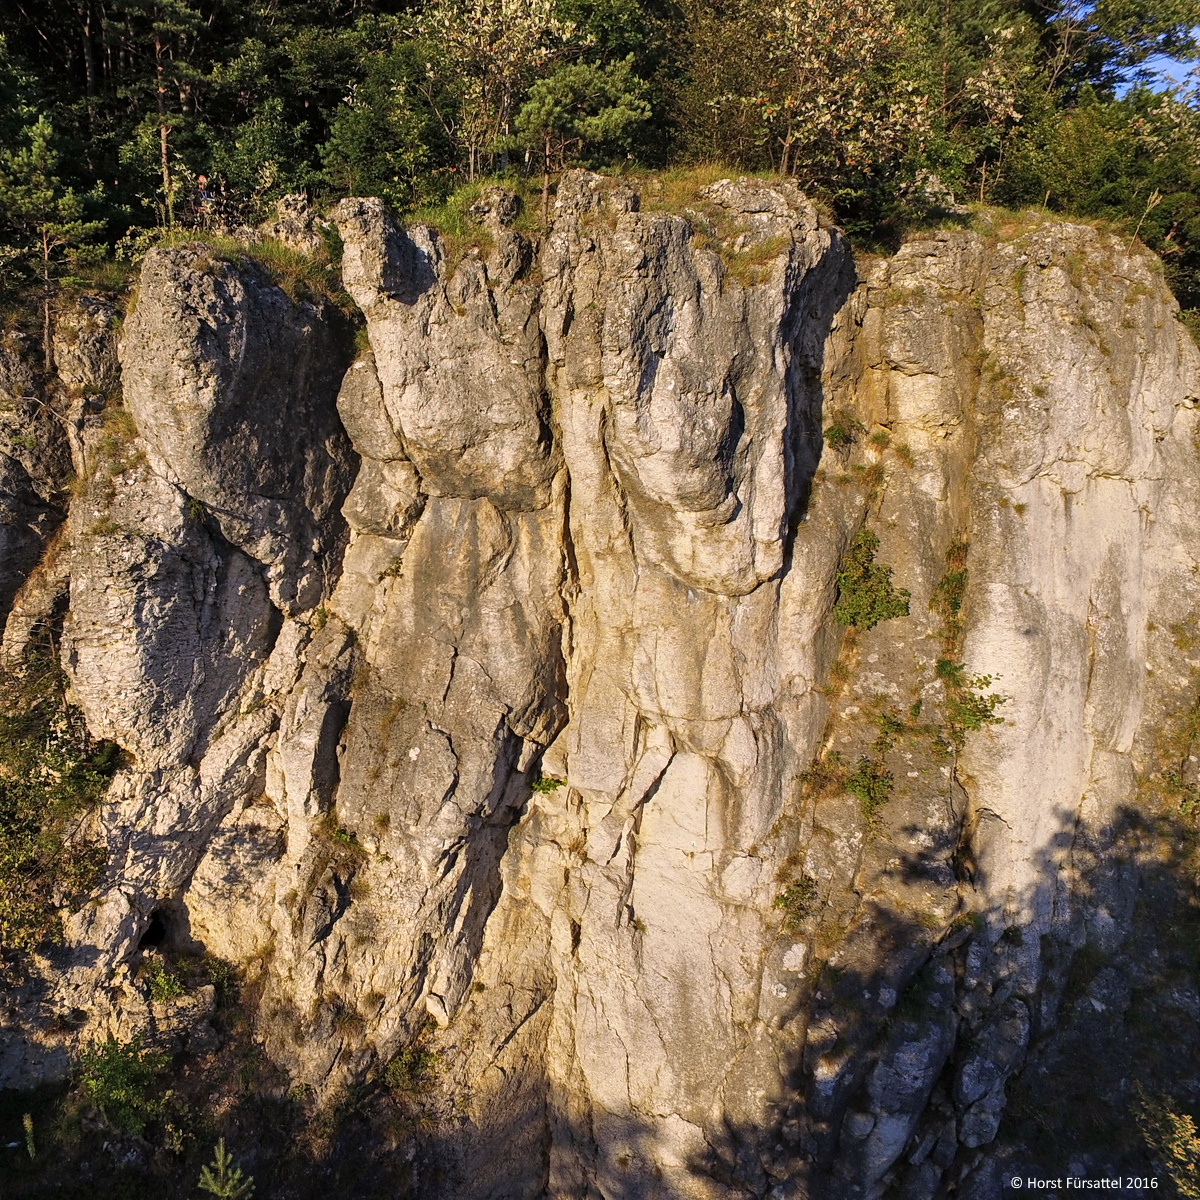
x=581, y=104
x=46, y=215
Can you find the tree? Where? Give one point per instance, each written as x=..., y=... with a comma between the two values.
x=817, y=84
x=47, y=215
x=254, y=160
x=977, y=61
x=1107, y=42
x=386, y=135
x=221, y=1178
x=119, y=1078
x=492, y=50
x=1172, y=1137
x=580, y=105
x=1110, y=160
x=160, y=35
x=16, y=95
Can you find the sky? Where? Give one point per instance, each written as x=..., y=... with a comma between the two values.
x=1168, y=71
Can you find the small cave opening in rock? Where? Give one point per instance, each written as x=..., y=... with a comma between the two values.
x=156, y=931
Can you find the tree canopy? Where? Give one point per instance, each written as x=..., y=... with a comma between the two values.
x=881, y=108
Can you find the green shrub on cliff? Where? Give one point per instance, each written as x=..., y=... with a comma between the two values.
x=866, y=595
x=119, y=1079
x=1172, y=1137
x=872, y=783
x=162, y=984
x=796, y=901
x=412, y=1071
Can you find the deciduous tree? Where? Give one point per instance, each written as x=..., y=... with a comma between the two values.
x=492, y=50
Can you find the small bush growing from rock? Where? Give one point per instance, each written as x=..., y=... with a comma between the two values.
x=947, y=598
x=865, y=592
x=843, y=430
x=342, y=841
x=970, y=707
x=161, y=982
x=412, y=1071
x=796, y=901
x=118, y=1078
x=872, y=783
x=223, y=976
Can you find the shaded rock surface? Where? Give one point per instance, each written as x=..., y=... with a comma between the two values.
x=486, y=687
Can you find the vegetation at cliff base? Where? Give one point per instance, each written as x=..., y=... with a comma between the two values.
x=1173, y=1138
x=223, y=1178
x=52, y=774
x=152, y=114
x=119, y=1078
x=162, y=984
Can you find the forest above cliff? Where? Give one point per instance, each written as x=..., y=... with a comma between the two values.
x=887, y=111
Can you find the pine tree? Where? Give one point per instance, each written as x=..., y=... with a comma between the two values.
x=221, y=1178
x=491, y=50
x=46, y=215
x=159, y=36
x=580, y=105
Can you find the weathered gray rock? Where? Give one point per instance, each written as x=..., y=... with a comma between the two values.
x=232, y=387
x=34, y=470
x=593, y=538
x=85, y=348
x=179, y=642
x=297, y=225
x=460, y=363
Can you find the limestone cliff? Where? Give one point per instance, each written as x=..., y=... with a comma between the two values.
x=491, y=674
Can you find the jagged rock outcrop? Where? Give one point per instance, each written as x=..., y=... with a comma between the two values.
x=34, y=466
x=229, y=383
x=532, y=743
x=42, y=421
x=208, y=527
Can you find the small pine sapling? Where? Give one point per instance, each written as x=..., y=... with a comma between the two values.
x=221, y=1178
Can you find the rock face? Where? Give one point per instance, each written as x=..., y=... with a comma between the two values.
x=34, y=466
x=229, y=384
x=42, y=422
x=530, y=716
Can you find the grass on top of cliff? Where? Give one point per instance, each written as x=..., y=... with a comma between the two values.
x=681, y=191
x=461, y=229
x=679, y=188
x=453, y=216
x=661, y=191
x=52, y=774
x=303, y=277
